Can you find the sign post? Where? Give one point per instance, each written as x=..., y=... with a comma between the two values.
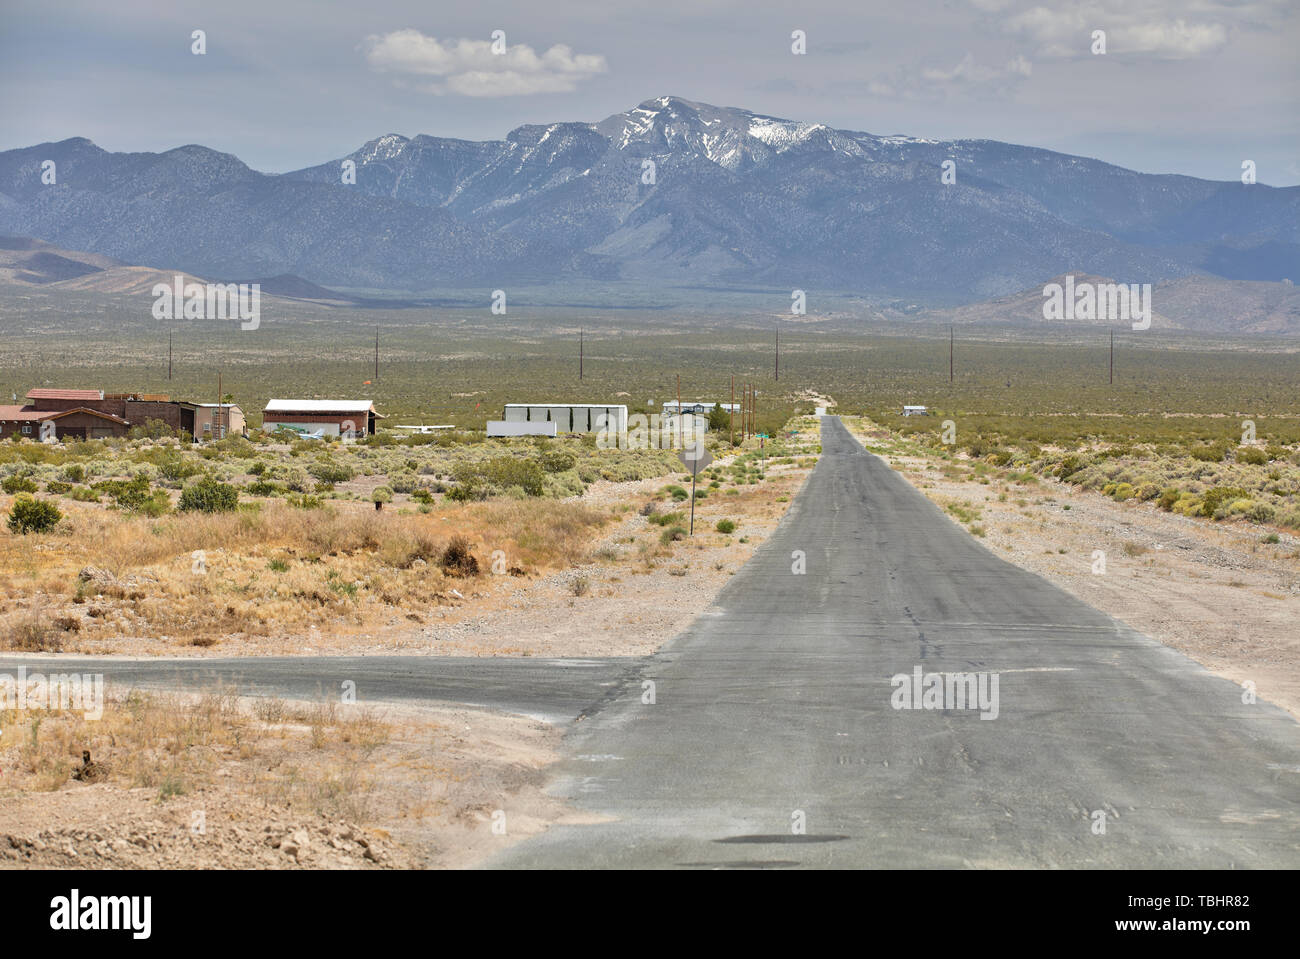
x=695, y=458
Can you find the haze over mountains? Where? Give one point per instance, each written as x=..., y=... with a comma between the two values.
x=738, y=199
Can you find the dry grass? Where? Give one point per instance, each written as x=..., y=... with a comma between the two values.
x=267, y=570
x=176, y=744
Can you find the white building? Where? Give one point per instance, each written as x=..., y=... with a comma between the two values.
x=570, y=417
x=699, y=406
x=915, y=411
x=505, y=428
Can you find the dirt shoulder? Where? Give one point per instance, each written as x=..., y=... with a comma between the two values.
x=1214, y=591
x=271, y=786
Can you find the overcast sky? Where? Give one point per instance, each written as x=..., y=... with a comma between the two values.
x=1191, y=87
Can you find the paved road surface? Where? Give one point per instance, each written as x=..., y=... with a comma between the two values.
x=556, y=690
x=777, y=702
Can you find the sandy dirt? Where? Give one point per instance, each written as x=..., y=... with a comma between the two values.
x=449, y=787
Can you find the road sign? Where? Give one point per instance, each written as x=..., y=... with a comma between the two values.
x=695, y=458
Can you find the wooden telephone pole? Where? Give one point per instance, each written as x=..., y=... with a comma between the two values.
x=731, y=413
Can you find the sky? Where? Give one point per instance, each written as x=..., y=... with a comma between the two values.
x=1194, y=87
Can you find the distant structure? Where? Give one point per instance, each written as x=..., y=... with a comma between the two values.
x=699, y=407
x=504, y=428
x=329, y=417
x=92, y=414
x=422, y=429
x=915, y=411
x=569, y=417
x=217, y=421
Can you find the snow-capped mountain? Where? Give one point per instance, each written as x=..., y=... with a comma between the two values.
x=670, y=191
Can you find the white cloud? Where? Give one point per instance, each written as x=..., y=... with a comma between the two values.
x=967, y=76
x=1132, y=27
x=470, y=68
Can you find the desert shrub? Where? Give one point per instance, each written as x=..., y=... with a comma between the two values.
x=128, y=495
x=381, y=494
x=1123, y=491
x=18, y=484
x=1252, y=455
x=74, y=473
x=328, y=471
x=673, y=533
x=57, y=487
x=457, y=558
x=1208, y=454
x=177, y=468
x=1146, y=491
x=404, y=481
x=1261, y=513
x=1220, y=496
x=1168, y=497
x=421, y=495
x=498, y=474
x=557, y=461
x=29, y=515
x=209, y=495
x=726, y=526
x=262, y=488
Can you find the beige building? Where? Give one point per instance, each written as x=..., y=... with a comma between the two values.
x=217, y=422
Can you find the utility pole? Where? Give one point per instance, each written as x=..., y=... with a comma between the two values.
x=731, y=413
x=679, y=411
x=949, y=354
x=1112, y=357
x=754, y=405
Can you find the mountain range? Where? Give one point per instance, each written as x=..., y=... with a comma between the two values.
x=670, y=192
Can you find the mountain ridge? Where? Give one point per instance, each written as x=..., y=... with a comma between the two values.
x=735, y=198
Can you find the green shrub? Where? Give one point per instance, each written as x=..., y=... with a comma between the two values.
x=28, y=515
x=209, y=495
x=557, y=461
x=18, y=484
x=381, y=494
x=1252, y=455
x=1168, y=497
x=57, y=487
x=1220, y=496
x=725, y=526
x=673, y=533
x=330, y=472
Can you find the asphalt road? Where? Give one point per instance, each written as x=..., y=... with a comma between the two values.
x=774, y=709
x=555, y=690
